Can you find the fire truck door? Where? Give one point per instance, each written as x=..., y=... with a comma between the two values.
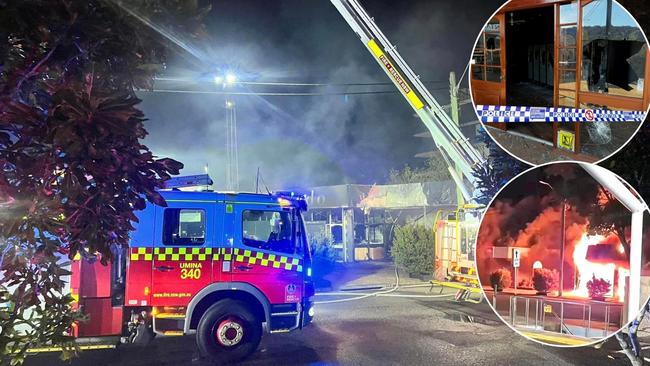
x=266, y=253
x=183, y=245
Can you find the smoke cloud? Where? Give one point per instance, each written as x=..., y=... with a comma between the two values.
x=309, y=141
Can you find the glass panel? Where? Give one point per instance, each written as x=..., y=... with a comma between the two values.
x=479, y=43
x=270, y=230
x=183, y=227
x=613, y=51
x=492, y=42
x=569, y=13
x=493, y=74
x=493, y=58
x=568, y=35
x=493, y=26
x=567, y=98
x=568, y=79
x=568, y=58
x=477, y=72
x=479, y=57
x=598, y=106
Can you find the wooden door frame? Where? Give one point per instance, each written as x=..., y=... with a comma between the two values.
x=484, y=84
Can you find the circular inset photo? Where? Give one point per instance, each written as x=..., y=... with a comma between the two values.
x=563, y=254
x=561, y=80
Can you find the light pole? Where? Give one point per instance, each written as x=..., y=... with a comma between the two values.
x=225, y=80
x=563, y=238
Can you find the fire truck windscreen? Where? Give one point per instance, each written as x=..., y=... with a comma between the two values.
x=270, y=230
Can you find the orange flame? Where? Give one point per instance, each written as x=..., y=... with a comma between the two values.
x=586, y=269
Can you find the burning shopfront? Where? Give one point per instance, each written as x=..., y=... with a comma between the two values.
x=566, y=257
x=359, y=220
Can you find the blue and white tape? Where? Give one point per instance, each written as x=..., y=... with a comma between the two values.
x=494, y=113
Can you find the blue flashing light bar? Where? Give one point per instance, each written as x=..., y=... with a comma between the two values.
x=297, y=200
x=189, y=181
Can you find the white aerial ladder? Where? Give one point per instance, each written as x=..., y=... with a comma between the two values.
x=453, y=145
x=454, y=261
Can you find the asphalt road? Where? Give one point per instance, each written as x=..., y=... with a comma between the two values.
x=372, y=331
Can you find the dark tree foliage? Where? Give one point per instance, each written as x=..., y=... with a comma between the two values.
x=501, y=168
x=630, y=162
x=434, y=170
x=74, y=169
x=609, y=215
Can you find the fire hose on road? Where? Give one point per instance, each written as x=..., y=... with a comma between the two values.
x=384, y=292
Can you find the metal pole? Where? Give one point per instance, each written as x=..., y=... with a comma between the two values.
x=561, y=317
x=589, y=322
x=516, y=270
x=563, y=225
x=606, y=320
x=455, y=116
x=527, y=310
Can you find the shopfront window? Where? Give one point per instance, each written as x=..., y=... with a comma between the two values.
x=567, y=78
x=613, y=51
x=486, y=61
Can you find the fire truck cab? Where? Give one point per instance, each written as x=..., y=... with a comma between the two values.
x=223, y=266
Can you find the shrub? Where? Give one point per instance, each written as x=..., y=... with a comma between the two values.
x=413, y=249
x=545, y=280
x=598, y=287
x=525, y=283
x=500, y=279
x=324, y=257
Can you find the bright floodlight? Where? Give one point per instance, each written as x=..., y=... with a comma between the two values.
x=218, y=79
x=229, y=104
x=231, y=78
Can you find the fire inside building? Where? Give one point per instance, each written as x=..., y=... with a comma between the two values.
x=552, y=260
x=587, y=54
x=358, y=220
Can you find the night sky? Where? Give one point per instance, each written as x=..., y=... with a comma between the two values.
x=308, y=141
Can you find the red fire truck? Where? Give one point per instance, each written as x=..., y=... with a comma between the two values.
x=224, y=266
x=227, y=266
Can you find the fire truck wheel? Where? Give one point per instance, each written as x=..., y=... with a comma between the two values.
x=228, y=332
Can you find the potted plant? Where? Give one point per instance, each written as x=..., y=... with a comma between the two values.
x=545, y=280
x=500, y=279
x=598, y=288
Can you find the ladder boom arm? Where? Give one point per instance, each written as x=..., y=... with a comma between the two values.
x=454, y=146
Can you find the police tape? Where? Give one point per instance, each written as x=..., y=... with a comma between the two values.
x=492, y=113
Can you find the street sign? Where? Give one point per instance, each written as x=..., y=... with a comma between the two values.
x=516, y=257
x=548, y=308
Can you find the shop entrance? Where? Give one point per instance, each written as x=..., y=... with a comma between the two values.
x=529, y=66
x=530, y=57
